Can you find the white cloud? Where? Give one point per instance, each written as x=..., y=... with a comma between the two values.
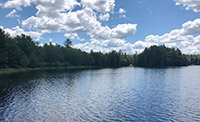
x=47, y=4
x=17, y=4
x=142, y=44
x=18, y=31
x=104, y=17
x=114, y=44
x=1, y=27
x=12, y=14
x=187, y=39
x=60, y=16
x=81, y=21
x=104, y=45
x=189, y=4
x=184, y=38
x=53, y=8
x=71, y=35
x=57, y=16
x=191, y=27
x=43, y=24
x=122, y=11
x=123, y=30
x=100, y=5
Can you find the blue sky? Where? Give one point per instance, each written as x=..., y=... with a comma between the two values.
x=104, y=25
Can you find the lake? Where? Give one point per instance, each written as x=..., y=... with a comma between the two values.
x=123, y=94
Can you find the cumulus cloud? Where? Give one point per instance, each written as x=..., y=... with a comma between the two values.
x=58, y=4
x=100, y=5
x=81, y=21
x=48, y=14
x=12, y=14
x=114, y=44
x=105, y=45
x=17, y=4
x=104, y=17
x=43, y=24
x=18, y=31
x=187, y=38
x=71, y=35
x=189, y=4
x=123, y=30
x=191, y=27
x=59, y=15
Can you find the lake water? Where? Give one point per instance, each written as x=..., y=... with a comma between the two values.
x=123, y=94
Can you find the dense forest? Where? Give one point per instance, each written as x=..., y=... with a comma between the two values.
x=23, y=52
x=159, y=56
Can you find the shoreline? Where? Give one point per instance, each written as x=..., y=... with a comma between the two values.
x=15, y=70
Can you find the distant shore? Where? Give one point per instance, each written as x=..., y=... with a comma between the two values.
x=16, y=70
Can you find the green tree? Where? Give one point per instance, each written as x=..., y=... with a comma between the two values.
x=14, y=54
x=68, y=43
x=157, y=56
x=34, y=62
x=3, y=53
x=24, y=61
x=26, y=44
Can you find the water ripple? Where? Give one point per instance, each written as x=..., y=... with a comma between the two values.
x=124, y=94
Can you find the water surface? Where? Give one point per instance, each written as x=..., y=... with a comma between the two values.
x=123, y=94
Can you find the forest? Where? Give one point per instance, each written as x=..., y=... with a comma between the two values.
x=159, y=56
x=23, y=52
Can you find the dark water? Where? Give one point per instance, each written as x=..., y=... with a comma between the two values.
x=124, y=94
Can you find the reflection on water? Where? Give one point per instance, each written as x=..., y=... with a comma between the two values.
x=124, y=94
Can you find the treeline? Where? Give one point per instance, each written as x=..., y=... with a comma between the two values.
x=159, y=56
x=22, y=52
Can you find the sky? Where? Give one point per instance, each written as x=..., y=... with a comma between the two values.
x=105, y=25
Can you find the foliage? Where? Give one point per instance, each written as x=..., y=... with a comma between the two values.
x=159, y=56
x=23, y=52
x=68, y=43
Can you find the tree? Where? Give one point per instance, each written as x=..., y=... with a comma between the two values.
x=26, y=44
x=34, y=62
x=157, y=56
x=14, y=54
x=3, y=53
x=68, y=43
x=23, y=51
x=24, y=61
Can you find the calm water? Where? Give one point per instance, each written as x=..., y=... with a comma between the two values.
x=124, y=94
